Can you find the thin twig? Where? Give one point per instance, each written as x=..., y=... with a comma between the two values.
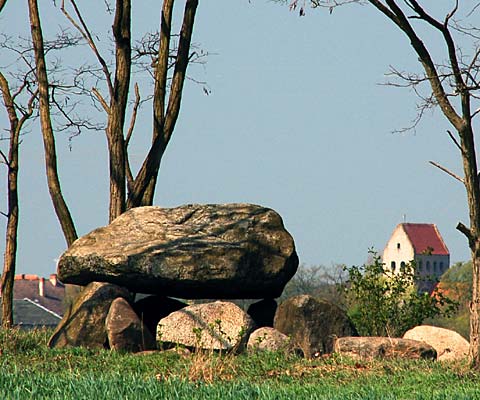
x=100, y=98
x=134, y=116
x=128, y=168
x=84, y=31
x=454, y=139
x=28, y=113
x=447, y=171
x=4, y=157
x=473, y=9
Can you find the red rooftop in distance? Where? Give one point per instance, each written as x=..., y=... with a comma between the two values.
x=422, y=244
x=425, y=238
x=48, y=293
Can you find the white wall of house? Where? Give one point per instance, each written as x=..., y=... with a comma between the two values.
x=398, y=250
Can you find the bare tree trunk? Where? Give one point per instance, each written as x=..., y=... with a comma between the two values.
x=141, y=189
x=164, y=121
x=474, y=310
x=10, y=257
x=159, y=97
x=473, y=234
x=12, y=214
x=118, y=104
x=60, y=206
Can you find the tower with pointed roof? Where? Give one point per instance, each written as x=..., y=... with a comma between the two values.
x=421, y=243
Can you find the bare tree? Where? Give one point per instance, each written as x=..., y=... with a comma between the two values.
x=17, y=116
x=20, y=93
x=59, y=203
x=166, y=101
x=127, y=191
x=12, y=162
x=454, y=88
x=165, y=56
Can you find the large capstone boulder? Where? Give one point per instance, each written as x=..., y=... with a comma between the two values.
x=312, y=324
x=125, y=331
x=367, y=348
x=195, y=251
x=449, y=344
x=84, y=323
x=220, y=325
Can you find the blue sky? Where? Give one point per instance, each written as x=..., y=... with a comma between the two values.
x=297, y=120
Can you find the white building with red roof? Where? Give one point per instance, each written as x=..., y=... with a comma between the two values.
x=421, y=243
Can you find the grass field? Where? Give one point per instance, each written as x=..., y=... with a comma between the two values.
x=29, y=370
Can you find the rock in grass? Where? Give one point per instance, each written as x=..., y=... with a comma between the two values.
x=220, y=325
x=84, y=323
x=125, y=331
x=312, y=324
x=367, y=348
x=195, y=251
x=449, y=344
x=151, y=309
x=268, y=339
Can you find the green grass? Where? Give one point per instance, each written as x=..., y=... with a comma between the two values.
x=29, y=370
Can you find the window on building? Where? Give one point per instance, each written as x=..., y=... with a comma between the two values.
x=392, y=266
x=402, y=266
x=441, y=266
x=398, y=246
x=435, y=266
x=428, y=266
x=419, y=265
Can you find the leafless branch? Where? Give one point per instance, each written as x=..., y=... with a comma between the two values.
x=466, y=231
x=454, y=139
x=20, y=89
x=128, y=170
x=447, y=171
x=475, y=7
x=84, y=31
x=451, y=14
x=4, y=158
x=134, y=115
x=26, y=114
x=102, y=101
x=2, y=4
x=476, y=112
x=145, y=53
x=421, y=109
x=108, y=6
x=443, y=28
x=330, y=4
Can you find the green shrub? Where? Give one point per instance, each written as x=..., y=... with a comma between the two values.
x=383, y=303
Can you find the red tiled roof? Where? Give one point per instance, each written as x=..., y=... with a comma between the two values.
x=425, y=238
x=27, y=286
